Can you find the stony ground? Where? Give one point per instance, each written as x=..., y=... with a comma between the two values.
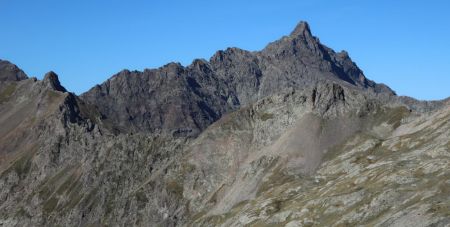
x=399, y=179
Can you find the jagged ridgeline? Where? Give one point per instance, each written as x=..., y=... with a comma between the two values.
x=291, y=135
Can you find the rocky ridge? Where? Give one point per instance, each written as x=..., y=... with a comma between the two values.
x=185, y=100
x=292, y=135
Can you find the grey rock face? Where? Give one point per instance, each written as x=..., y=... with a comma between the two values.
x=51, y=79
x=10, y=72
x=173, y=100
x=185, y=100
x=292, y=135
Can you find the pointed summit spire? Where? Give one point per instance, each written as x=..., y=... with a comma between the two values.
x=51, y=79
x=302, y=29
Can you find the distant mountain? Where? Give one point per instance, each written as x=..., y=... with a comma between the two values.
x=292, y=135
x=186, y=100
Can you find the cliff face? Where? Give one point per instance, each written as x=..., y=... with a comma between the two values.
x=293, y=135
x=185, y=100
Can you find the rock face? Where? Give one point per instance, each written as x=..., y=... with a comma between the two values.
x=185, y=100
x=292, y=135
x=10, y=72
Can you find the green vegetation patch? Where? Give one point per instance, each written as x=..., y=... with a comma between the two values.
x=174, y=187
x=187, y=168
x=74, y=196
x=50, y=205
x=68, y=184
x=23, y=165
x=53, y=95
x=277, y=178
x=48, y=186
x=266, y=116
x=392, y=116
x=141, y=197
x=22, y=213
x=6, y=93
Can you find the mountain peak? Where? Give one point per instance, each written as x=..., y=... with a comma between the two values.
x=10, y=72
x=51, y=79
x=302, y=29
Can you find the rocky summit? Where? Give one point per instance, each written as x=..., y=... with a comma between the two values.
x=291, y=135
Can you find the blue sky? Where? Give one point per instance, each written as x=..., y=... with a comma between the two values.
x=404, y=44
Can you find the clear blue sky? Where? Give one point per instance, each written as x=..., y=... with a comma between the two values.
x=404, y=44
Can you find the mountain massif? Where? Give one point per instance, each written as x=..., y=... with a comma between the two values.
x=291, y=135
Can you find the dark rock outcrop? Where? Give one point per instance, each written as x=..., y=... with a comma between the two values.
x=10, y=72
x=52, y=80
x=185, y=100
